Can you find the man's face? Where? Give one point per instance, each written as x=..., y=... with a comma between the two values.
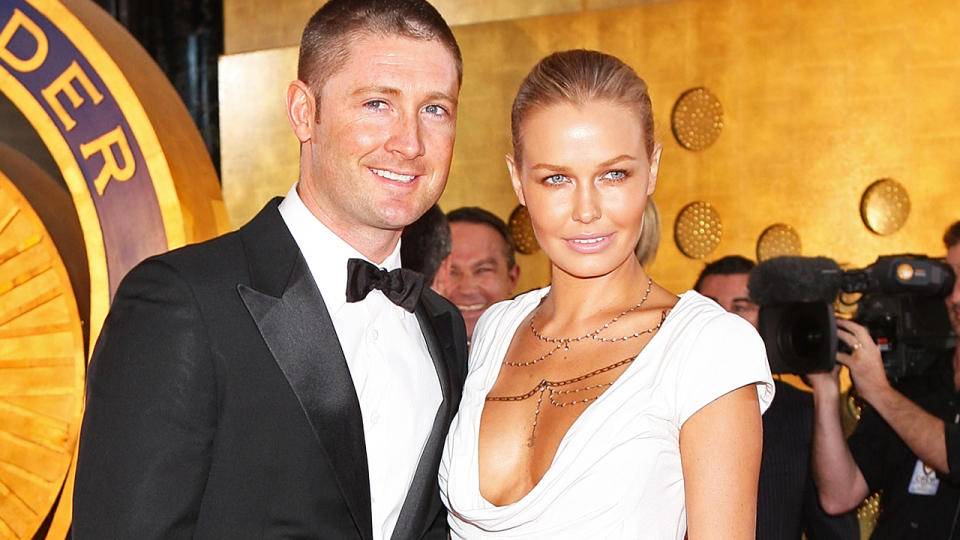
x=953, y=300
x=378, y=152
x=730, y=291
x=478, y=275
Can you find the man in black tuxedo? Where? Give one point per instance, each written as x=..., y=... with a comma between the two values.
x=278, y=382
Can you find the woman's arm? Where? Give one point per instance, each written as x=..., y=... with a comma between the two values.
x=720, y=447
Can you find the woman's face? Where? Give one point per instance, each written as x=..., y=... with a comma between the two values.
x=584, y=176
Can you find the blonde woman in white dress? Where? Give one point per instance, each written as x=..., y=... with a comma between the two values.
x=603, y=406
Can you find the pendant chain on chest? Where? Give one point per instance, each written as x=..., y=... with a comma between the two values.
x=561, y=394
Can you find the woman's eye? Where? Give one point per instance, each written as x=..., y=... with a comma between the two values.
x=555, y=179
x=615, y=175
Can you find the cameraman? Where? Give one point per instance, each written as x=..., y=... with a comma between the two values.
x=907, y=444
x=786, y=498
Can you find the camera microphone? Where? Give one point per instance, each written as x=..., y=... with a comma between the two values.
x=784, y=280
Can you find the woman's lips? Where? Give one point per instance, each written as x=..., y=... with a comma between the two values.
x=589, y=243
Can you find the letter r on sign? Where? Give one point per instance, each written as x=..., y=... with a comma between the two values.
x=111, y=169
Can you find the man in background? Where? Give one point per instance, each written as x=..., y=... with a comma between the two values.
x=786, y=499
x=907, y=443
x=483, y=269
x=425, y=247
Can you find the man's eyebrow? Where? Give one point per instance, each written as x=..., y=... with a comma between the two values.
x=743, y=299
x=441, y=96
x=377, y=90
x=391, y=91
x=481, y=262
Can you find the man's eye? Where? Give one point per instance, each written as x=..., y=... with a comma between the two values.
x=376, y=104
x=435, y=110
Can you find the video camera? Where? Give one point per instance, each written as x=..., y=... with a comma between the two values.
x=901, y=305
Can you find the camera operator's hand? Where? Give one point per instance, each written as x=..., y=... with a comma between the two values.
x=923, y=432
x=864, y=360
x=825, y=384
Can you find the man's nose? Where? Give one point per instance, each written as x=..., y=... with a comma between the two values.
x=405, y=137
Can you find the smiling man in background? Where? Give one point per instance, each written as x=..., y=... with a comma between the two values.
x=483, y=269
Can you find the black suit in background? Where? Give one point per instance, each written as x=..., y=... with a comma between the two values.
x=220, y=405
x=787, y=500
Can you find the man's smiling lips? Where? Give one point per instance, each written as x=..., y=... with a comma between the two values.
x=471, y=307
x=394, y=176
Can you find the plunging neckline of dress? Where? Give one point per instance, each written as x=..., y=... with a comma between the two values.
x=501, y=354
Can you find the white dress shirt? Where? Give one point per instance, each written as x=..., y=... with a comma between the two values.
x=391, y=368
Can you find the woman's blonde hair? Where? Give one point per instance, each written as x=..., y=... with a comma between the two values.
x=577, y=77
x=646, y=250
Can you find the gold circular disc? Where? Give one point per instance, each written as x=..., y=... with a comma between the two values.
x=41, y=367
x=697, y=119
x=698, y=229
x=885, y=206
x=776, y=241
x=522, y=231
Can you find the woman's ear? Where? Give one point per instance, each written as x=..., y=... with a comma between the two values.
x=301, y=110
x=515, y=178
x=654, y=168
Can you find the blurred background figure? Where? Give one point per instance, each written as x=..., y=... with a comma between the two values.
x=650, y=235
x=907, y=443
x=725, y=282
x=483, y=269
x=787, y=502
x=425, y=247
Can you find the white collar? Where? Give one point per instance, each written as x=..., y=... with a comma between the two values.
x=325, y=252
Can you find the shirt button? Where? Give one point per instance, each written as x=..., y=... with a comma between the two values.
x=374, y=334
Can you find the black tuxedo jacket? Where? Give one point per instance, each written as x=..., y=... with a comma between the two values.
x=219, y=403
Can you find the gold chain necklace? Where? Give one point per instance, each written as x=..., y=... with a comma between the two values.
x=556, y=395
x=564, y=343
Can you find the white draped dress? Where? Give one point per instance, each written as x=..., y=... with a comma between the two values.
x=616, y=473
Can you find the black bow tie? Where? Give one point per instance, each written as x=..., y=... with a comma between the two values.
x=402, y=286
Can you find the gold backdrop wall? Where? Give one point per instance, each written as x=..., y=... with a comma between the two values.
x=820, y=99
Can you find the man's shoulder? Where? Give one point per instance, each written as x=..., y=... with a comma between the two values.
x=936, y=380
x=202, y=257
x=223, y=256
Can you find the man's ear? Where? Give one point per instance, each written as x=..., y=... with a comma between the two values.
x=439, y=284
x=654, y=168
x=515, y=179
x=514, y=276
x=301, y=110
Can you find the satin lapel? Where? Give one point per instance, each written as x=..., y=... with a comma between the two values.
x=422, y=495
x=299, y=333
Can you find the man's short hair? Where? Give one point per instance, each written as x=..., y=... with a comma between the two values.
x=952, y=236
x=731, y=264
x=326, y=37
x=425, y=243
x=474, y=214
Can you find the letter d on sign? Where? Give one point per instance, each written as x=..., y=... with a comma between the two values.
x=24, y=65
